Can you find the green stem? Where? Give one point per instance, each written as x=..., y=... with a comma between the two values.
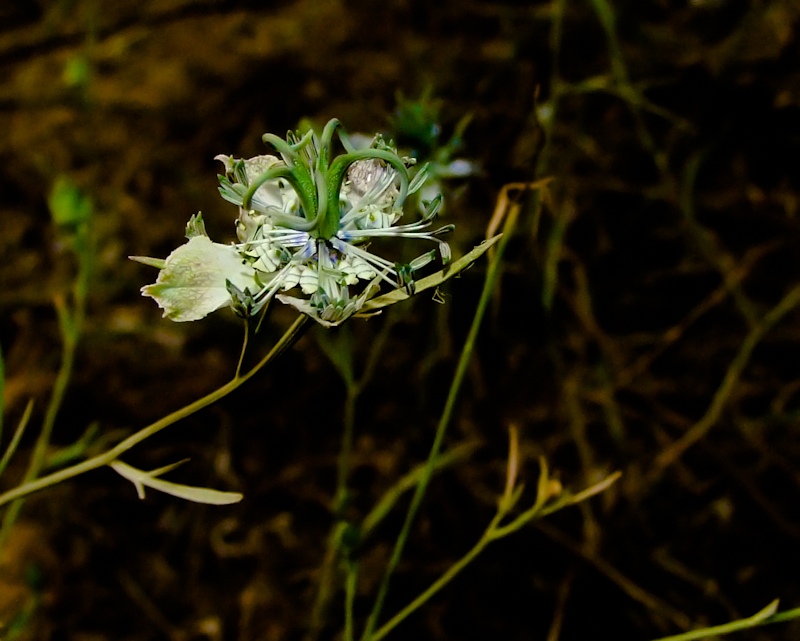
x=244, y=347
x=287, y=340
x=350, y=597
x=71, y=325
x=391, y=496
x=764, y=617
x=340, y=353
x=438, y=584
x=2, y=388
x=466, y=354
x=346, y=451
x=16, y=438
x=325, y=590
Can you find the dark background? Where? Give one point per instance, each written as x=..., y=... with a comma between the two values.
x=668, y=236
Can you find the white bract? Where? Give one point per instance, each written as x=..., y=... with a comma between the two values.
x=305, y=223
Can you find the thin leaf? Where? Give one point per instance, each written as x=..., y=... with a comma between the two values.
x=434, y=280
x=158, y=263
x=142, y=479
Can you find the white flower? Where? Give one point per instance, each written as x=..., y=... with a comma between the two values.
x=305, y=221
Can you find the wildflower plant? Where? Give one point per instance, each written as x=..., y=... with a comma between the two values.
x=305, y=230
x=306, y=224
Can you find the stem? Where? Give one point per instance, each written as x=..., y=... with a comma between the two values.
x=346, y=451
x=12, y=446
x=244, y=348
x=2, y=389
x=325, y=589
x=767, y=615
x=287, y=340
x=350, y=596
x=466, y=354
x=71, y=325
x=439, y=583
x=340, y=354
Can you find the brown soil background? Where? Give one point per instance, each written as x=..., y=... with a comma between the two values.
x=670, y=234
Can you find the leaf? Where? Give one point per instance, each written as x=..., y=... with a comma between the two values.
x=434, y=280
x=158, y=263
x=192, y=283
x=142, y=479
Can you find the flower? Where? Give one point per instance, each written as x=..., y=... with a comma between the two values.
x=305, y=221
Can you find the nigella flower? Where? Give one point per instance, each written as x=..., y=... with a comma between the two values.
x=305, y=221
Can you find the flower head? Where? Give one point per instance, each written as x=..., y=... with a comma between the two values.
x=306, y=221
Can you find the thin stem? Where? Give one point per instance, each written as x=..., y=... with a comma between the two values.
x=494, y=531
x=325, y=591
x=345, y=454
x=71, y=324
x=442, y=581
x=767, y=615
x=12, y=447
x=726, y=387
x=466, y=354
x=2, y=388
x=350, y=597
x=340, y=354
x=244, y=347
x=390, y=498
x=287, y=340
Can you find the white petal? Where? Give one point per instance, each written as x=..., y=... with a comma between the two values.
x=192, y=283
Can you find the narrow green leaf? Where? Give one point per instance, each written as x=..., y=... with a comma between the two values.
x=434, y=280
x=158, y=263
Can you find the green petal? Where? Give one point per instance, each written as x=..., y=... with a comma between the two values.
x=192, y=283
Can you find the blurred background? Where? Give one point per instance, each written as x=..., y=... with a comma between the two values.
x=646, y=319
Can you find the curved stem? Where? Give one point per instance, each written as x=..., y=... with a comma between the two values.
x=244, y=347
x=437, y=585
x=71, y=325
x=492, y=274
x=287, y=340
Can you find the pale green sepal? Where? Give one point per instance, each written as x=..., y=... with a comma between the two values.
x=423, y=173
x=196, y=226
x=158, y=263
x=142, y=479
x=192, y=283
x=334, y=314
